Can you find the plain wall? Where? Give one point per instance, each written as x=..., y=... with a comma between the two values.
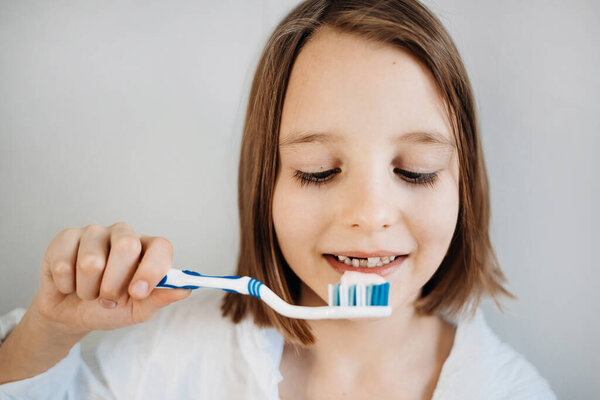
x=132, y=111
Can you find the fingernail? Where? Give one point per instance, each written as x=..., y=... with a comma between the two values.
x=108, y=303
x=140, y=288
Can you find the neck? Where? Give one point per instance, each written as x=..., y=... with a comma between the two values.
x=405, y=339
x=403, y=353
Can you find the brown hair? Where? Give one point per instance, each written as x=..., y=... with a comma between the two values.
x=470, y=268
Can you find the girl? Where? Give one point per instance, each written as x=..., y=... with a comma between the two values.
x=360, y=142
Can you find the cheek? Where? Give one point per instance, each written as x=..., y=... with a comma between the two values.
x=297, y=218
x=434, y=222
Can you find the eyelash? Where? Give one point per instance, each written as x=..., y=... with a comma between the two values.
x=320, y=178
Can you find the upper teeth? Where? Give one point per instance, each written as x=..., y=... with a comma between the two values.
x=366, y=262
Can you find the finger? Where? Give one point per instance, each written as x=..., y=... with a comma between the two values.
x=60, y=258
x=123, y=260
x=63, y=275
x=157, y=299
x=91, y=260
x=157, y=260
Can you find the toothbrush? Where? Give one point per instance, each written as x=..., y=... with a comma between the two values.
x=345, y=301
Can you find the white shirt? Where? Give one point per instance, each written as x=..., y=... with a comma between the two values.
x=188, y=351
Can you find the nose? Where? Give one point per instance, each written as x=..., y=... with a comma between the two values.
x=369, y=205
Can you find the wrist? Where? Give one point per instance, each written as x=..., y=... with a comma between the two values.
x=33, y=346
x=37, y=320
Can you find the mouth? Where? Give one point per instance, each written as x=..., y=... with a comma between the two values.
x=382, y=266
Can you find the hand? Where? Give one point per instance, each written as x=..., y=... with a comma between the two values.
x=102, y=278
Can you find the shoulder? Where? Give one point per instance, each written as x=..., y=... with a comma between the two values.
x=480, y=365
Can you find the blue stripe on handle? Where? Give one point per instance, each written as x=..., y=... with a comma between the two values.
x=167, y=285
x=194, y=273
x=163, y=281
x=254, y=287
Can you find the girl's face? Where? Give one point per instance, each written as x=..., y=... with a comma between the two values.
x=364, y=119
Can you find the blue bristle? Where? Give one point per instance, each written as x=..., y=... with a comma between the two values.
x=385, y=289
x=352, y=297
x=374, y=292
x=369, y=295
x=387, y=294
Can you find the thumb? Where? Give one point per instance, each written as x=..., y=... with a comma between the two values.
x=158, y=298
x=163, y=297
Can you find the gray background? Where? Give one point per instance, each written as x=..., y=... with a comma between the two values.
x=132, y=111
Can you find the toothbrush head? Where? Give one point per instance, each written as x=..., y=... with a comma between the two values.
x=359, y=294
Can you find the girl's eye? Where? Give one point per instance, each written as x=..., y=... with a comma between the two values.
x=315, y=178
x=319, y=178
x=428, y=179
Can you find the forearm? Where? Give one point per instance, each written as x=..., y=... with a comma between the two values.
x=32, y=348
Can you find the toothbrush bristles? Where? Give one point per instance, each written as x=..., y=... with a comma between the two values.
x=359, y=295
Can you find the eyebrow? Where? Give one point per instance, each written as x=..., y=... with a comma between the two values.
x=416, y=137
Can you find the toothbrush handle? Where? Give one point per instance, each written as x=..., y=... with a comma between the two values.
x=185, y=279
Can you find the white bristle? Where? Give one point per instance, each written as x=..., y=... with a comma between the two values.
x=343, y=295
x=330, y=293
x=361, y=295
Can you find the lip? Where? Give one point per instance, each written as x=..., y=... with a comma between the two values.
x=384, y=270
x=362, y=254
